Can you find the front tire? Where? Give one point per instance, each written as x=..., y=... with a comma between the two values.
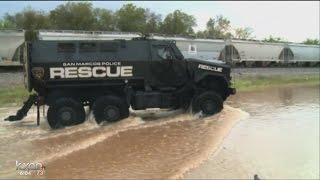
x=208, y=102
x=65, y=112
x=110, y=108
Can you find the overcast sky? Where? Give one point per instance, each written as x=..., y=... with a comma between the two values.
x=294, y=21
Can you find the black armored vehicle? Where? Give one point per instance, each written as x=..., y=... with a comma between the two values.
x=111, y=76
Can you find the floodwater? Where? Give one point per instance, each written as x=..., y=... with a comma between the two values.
x=148, y=144
x=272, y=133
x=280, y=139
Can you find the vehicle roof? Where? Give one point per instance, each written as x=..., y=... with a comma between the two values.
x=99, y=41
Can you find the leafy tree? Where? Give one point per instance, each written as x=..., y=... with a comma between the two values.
x=71, y=15
x=274, y=39
x=105, y=20
x=243, y=33
x=178, y=23
x=131, y=18
x=6, y=24
x=312, y=41
x=218, y=27
x=201, y=34
x=27, y=19
x=153, y=21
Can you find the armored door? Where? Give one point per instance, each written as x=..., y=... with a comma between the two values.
x=166, y=69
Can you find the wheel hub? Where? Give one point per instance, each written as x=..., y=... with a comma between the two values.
x=208, y=106
x=111, y=112
x=66, y=115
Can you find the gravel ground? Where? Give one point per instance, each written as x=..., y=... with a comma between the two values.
x=10, y=78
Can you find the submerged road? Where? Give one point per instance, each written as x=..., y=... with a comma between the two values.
x=273, y=133
x=149, y=144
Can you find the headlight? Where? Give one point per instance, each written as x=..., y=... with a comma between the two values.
x=38, y=73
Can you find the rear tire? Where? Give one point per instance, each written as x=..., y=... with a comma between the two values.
x=110, y=108
x=208, y=102
x=65, y=112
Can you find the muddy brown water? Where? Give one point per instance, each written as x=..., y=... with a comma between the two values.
x=280, y=139
x=273, y=133
x=148, y=144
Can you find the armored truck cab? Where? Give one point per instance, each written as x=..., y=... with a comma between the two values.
x=111, y=76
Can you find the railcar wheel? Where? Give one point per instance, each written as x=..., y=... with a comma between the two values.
x=208, y=102
x=110, y=108
x=65, y=112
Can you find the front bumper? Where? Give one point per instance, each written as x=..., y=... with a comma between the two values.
x=232, y=91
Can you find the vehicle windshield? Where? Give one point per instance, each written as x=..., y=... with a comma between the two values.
x=164, y=52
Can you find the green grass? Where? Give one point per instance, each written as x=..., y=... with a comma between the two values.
x=249, y=83
x=10, y=96
x=15, y=95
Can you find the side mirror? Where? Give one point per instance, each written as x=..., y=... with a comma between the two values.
x=180, y=57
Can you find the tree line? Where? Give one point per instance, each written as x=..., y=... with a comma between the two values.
x=129, y=18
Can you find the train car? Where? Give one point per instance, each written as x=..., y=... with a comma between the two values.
x=236, y=52
x=305, y=54
x=10, y=41
x=257, y=53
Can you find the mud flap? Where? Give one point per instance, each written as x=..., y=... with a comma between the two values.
x=21, y=113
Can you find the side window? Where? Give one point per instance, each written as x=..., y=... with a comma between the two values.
x=88, y=47
x=164, y=52
x=66, y=48
x=109, y=47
